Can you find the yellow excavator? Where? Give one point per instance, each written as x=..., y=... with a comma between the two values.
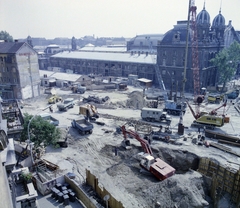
x=209, y=120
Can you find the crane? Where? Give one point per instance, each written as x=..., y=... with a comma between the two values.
x=194, y=44
x=160, y=169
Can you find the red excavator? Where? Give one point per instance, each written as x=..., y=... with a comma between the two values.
x=156, y=166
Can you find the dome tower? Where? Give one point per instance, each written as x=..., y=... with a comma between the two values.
x=203, y=24
x=218, y=26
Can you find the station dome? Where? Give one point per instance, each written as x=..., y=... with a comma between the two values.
x=203, y=18
x=218, y=21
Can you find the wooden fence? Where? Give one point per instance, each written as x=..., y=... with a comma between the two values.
x=224, y=179
x=101, y=191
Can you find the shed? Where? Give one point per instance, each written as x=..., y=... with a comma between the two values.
x=61, y=79
x=147, y=83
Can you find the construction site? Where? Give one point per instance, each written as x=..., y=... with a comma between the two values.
x=125, y=145
x=128, y=161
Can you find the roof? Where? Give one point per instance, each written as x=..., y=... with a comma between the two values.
x=117, y=48
x=10, y=47
x=144, y=80
x=104, y=56
x=60, y=75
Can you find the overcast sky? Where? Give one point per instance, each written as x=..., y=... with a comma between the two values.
x=103, y=18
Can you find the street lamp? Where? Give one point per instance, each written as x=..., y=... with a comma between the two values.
x=28, y=131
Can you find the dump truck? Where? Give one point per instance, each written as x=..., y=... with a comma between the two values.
x=50, y=119
x=155, y=115
x=89, y=111
x=77, y=88
x=62, y=141
x=175, y=108
x=66, y=104
x=83, y=126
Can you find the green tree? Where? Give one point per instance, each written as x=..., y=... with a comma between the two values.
x=226, y=62
x=6, y=36
x=40, y=130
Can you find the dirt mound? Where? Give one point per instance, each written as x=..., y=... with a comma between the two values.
x=188, y=190
x=136, y=100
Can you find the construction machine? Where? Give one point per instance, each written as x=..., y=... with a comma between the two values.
x=209, y=120
x=160, y=169
x=89, y=111
x=215, y=98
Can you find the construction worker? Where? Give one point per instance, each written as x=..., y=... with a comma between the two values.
x=51, y=109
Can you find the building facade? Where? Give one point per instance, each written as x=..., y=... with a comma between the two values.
x=19, y=71
x=106, y=63
x=211, y=38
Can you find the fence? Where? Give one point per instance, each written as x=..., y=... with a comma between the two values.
x=101, y=191
x=224, y=179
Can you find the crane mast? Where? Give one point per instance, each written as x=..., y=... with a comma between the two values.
x=194, y=44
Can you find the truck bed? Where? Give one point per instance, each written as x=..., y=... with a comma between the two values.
x=82, y=125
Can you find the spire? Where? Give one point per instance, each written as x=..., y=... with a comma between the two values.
x=220, y=10
x=204, y=5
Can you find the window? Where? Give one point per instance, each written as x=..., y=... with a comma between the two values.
x=14, y=69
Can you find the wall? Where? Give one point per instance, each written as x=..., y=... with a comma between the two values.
x=224, y=179
x=101, y=191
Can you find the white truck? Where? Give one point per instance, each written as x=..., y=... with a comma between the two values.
x=155, y=115
x=66, y=104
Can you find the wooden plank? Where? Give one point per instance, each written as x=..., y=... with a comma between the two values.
x=224, y=148
x=236, y=144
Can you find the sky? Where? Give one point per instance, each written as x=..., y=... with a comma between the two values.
x=103, y=18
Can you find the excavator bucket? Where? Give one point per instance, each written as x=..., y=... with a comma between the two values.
x=126, y=144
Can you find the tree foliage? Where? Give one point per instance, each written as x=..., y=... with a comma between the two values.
x=40, y=131
x=226, y=62
x=6, y=36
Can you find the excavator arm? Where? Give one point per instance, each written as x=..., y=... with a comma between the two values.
x=145, y=145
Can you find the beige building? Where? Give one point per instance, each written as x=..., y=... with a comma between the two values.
x=19, y=71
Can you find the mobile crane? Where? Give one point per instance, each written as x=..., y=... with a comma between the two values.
x=160, y=169
x=209, y=120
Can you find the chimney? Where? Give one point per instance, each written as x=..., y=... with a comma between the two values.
x=147, y=53
x=139, y=53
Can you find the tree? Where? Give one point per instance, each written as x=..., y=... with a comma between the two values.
x=40, y=130
x=5, y=36
x=226, y=62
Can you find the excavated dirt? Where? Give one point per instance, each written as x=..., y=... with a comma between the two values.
x=117, y=169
